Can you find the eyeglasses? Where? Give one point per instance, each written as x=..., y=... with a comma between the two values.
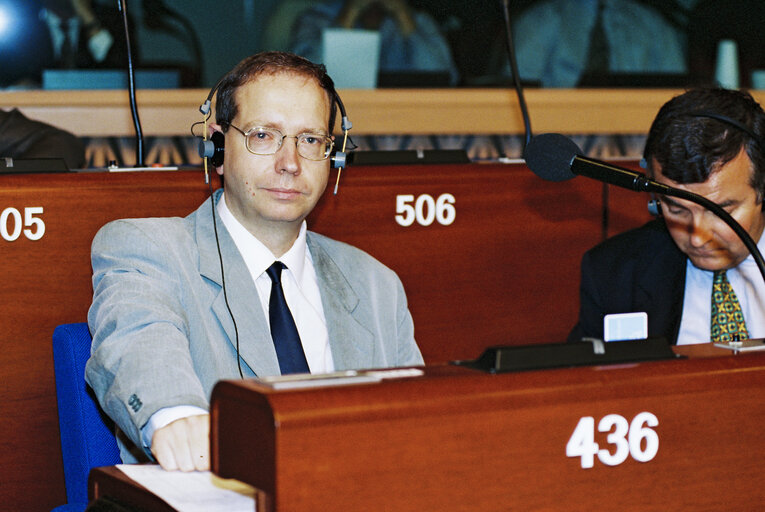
x=267, y=141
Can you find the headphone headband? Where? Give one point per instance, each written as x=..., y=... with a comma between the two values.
x=727, y=120
x=214, y=147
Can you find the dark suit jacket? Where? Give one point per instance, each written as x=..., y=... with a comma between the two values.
x=21, y=137
x=640, y=270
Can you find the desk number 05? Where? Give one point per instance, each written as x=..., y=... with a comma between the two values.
x=425, y=209
x=32, y=227
x=636, y=439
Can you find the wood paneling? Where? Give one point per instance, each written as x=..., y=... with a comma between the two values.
x=46, y=283
x=373, y=112
x=504, y=272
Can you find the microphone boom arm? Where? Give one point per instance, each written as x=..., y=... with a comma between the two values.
x=639, y=182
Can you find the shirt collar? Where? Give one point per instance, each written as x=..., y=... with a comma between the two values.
x=256, y=255
x=749, y=260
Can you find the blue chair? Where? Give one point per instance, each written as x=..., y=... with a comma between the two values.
x=87, y=434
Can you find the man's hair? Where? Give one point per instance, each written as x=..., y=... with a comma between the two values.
x=269, y=63
x=689, y=145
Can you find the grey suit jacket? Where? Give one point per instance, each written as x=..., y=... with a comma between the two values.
x=163, y=336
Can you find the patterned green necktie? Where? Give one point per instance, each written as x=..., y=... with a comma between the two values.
x=727, y=318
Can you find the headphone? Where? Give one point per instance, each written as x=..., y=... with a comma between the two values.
x=654, y=204
x=212, y=149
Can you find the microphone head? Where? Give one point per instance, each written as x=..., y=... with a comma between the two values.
x=550, y=155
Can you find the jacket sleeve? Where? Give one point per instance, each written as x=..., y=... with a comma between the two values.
x=408, y=351
x=140, y=358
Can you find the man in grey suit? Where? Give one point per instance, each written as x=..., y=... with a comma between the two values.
x=182, y=303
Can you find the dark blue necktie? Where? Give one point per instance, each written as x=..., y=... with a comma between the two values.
x=289, y=350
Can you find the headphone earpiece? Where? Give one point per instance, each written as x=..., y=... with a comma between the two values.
x=654, y=207
x=338, y=159
x=213, y=148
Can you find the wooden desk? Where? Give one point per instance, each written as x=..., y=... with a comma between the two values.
x=515, y=242
x=463, y=441
x=111, y=484
x=459, y=440
x=374, y=111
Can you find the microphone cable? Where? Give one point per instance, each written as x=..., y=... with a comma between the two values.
x=131, y=85
x=514, y=71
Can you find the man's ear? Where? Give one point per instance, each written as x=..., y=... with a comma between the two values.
x=212, y=128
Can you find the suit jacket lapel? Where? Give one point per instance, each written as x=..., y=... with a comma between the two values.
x=351, y=342
x=255, y=345
x=661, y=288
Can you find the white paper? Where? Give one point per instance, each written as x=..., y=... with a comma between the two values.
x=340, y=378
x=197, y=491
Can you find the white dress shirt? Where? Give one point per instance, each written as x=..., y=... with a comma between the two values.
x=301, y=291
x=746, y=281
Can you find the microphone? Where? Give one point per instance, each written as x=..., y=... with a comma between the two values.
x=555, y=157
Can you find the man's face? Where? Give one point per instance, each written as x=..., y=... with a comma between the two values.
x=701, y=235
x=272, y=194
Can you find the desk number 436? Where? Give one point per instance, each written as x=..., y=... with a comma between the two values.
x=636, y=439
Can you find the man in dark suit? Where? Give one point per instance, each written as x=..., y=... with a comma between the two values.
x=672, y=268
x=21, y=137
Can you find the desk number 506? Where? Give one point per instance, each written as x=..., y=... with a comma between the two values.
x=635, y=439
x=425, y=209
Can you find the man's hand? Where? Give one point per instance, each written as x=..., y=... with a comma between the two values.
x=183, y=444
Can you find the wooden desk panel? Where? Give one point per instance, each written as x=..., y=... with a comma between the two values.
x=506, y=271
x=110, y=485
x=458, y=440
x=521, y=237
x=373, y=111
x=46, y=283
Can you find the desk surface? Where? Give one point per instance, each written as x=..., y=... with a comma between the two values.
x=373, y=111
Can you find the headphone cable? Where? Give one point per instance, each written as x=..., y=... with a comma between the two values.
x=223, y=276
